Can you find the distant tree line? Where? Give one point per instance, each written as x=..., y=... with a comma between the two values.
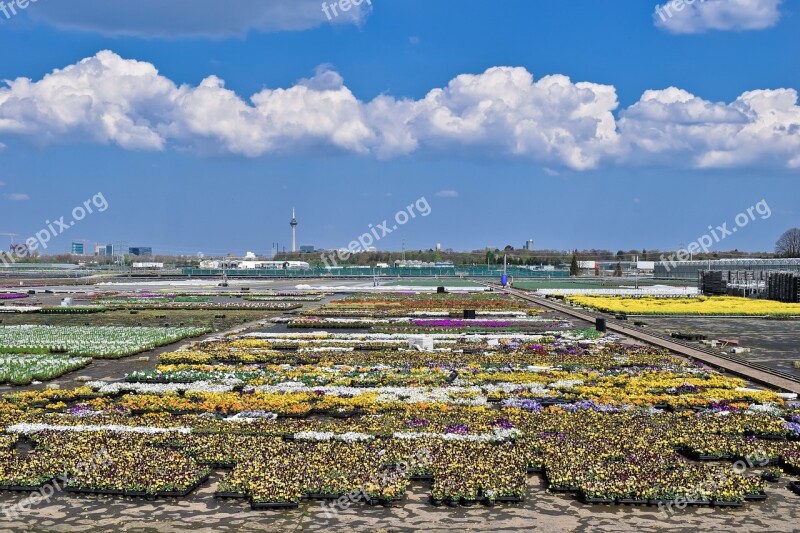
x=788, y=245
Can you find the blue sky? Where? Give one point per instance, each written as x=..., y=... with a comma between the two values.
x=642, y=133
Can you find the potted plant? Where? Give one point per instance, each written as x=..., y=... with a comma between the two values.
x=773, y=475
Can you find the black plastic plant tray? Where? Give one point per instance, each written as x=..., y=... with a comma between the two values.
x=794, y=486
x=322, y=496
x=102, y=492
x=759, y=497
x=722, y=503
x=697, y=456
x=695, y=503
x=592, y=500
x=182, y=494
x=22, y=488
x=631, y=501
x=509, y=499
x=259, y=506
x=563, y=489
x=790, y=468
x=230, y=495
x=137, y=494
x=421, y=477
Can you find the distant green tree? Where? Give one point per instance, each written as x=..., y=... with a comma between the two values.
x=574, y=269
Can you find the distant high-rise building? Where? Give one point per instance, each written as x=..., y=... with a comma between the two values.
x=104, y=250
x=77, y=248
x=528, y=245
x=140, y=250
x=307, y=249
x=293, y=224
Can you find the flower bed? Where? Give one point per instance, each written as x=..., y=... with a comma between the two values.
x=100, y=342
x=702, y=305
x=12, y=296
x=22, y=370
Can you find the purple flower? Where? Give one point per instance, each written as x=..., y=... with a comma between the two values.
x=528, y=405
x=457, y=429
x=458, y=323
x=724, y=405
x=503, y=423
x=590, y=405
x=83, y=411
x=12, y=296
x=416, y=423
x=794, y=427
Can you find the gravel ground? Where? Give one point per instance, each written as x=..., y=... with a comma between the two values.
x=543, y=512
x=774, y=343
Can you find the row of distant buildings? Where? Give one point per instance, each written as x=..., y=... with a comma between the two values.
x=109, y=250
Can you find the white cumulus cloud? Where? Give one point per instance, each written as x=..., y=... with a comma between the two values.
x=448, y=193
x=16, y=197
x=699, y=16
x=759, y=127
x=502, y=112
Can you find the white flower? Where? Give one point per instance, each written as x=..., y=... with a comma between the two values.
x=161, y=388
x=27, y=429
x=767, y=408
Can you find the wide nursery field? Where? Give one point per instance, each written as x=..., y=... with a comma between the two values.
x=470, y=407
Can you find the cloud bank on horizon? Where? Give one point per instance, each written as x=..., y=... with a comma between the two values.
x=552, y=121
x=700, y=16
x=191, y=18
